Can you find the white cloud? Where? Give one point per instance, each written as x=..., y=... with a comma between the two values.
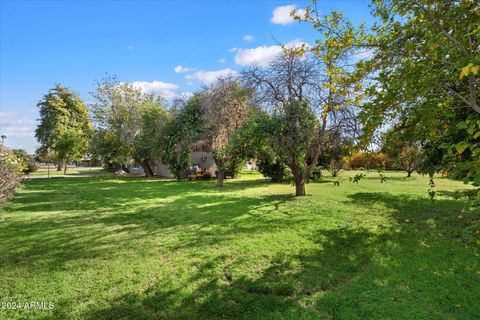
x=130, y=47
x=232, y=49
x=19, y=132
x=181, y=69
x=263, y=55
x=207, y=77
x=281, y=15
x=14, y=127
x=4, y=122
x=185, y=95
x=159, y=88
x=248, y=38
x=8, y=113
x=222, y=60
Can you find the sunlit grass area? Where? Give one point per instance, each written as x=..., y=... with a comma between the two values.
x=71, y=171
x=132, y=248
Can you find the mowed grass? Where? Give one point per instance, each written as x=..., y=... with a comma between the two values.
x=71, y=171
x=131, y=248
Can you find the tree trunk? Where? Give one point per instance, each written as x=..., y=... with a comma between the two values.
x=65, y=168
x=220, y=178
x=59, y=165
x=409, y=173
x=147, y=169
x=299, y=188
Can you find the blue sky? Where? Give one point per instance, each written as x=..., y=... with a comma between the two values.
x=164, y=47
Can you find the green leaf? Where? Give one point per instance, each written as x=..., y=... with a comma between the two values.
x=461, y=147
x=462, y=125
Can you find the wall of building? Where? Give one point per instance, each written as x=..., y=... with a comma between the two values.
x=162, y=170
x=205, y=160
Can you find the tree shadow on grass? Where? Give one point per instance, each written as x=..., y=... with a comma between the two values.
x=417, y=268
x=200, y=217
x=223, y=293
x=97, y=193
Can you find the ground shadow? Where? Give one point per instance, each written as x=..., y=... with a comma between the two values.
x=419, y=267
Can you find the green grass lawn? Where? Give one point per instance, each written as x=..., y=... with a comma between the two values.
x=131, y=248
x=71, y=171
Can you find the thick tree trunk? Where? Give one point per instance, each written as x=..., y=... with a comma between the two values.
x=65, y=168
x=299, y=188
x=147, y=169
x=59, y=166
x=409, y=173
x=220, y=178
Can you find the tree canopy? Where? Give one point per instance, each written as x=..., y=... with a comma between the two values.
x=61, y=110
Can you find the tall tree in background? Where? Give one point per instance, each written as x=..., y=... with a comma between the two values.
x=120, y=112
x=148, y=143
x=61, y=110
x=180, y=133
x=225, y=109
x=400, y=145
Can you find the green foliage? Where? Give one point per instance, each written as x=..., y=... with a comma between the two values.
x=313, y=90
x=116, y=113
x=128, y=124
x=336, y=151
x=27, y=159
x=425, y=77
x=148, y=143
x=274, y=170
x=316, y=173
x=60, y=110
x=11, y=161
x=225, y=111
x=104, y=146
x=11, y=168
x=179, y=134
x=71, y=145
x=296, y=129
x=368, y=160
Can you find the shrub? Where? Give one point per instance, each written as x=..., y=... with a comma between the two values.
x=373, y=160
x=27, y=160
x=274, y=170
x=287, y=174
x=378, y=160
x=31, y=166
x=207, y=175
x=10, y=174
x=316, y=173
x=357, y=160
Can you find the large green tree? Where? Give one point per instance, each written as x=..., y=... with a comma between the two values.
x=225, y=107
x=71, y=145
x=127, y=122
x=424, y=69
x=148, y=143
x=298, y=91
x=180, y=133
x=401, y=146
x=61, y=110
